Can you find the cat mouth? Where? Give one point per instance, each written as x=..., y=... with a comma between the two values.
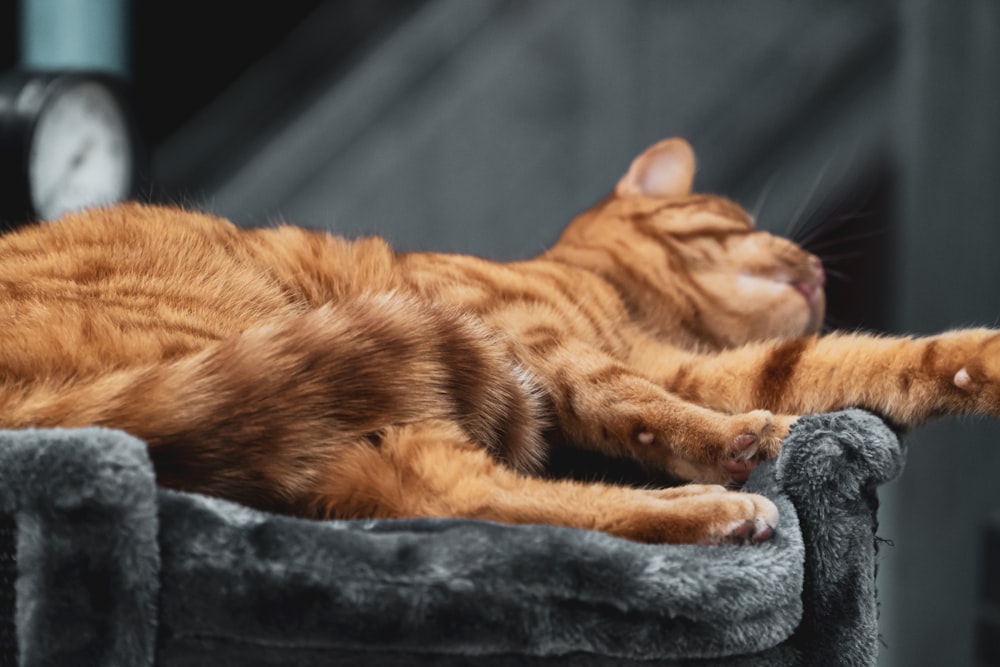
x=811, y=285
x=812, y=291
x=807, y=280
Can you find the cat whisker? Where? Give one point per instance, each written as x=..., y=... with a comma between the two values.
x=797, y=218
x=758, y=206
x=820, y=227
x=823, y=225
x=860, y=215
x=843, y=240
x=826, y=225
x=838, y=275
x=842, y=257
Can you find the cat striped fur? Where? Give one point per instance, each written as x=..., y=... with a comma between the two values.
x=299, y=372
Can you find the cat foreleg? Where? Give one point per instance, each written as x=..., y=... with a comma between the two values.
x=601, y=403
x=906, y=380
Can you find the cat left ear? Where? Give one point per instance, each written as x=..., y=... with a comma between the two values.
x=665, y=169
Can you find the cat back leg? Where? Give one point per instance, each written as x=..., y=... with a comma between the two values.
x=432, y=469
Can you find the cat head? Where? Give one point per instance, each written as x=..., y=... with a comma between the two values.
x=693, y=267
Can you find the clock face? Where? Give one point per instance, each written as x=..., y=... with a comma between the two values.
x=80, y=153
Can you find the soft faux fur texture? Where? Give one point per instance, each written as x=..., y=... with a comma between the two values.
x=112, y=571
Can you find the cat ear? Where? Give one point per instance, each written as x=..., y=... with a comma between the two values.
x=665, y=169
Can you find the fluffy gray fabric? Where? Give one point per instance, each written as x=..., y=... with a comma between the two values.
x=113, y=571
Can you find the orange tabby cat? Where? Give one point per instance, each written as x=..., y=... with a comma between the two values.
x=299, y=372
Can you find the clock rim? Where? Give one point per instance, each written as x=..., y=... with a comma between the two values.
x=19, y=117
x=123, y=183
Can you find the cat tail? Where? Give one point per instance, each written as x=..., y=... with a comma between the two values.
x=281, y=396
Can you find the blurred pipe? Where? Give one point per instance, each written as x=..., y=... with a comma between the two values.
x=75, y=34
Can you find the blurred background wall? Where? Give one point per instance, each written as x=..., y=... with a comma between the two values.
x=872, y=127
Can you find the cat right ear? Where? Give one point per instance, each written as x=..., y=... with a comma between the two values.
x=665, y=169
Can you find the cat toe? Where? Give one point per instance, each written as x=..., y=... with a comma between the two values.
x=758, y=435
x=754, y=523
x=740, y=532
x=750, y=531
x=743, y=444
x=763, y=531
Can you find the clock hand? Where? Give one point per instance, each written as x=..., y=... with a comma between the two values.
x=81, y=154
x=77, y=159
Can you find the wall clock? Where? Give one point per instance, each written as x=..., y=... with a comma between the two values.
x=67, y=141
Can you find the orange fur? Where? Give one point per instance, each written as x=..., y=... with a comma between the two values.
x=299, y=372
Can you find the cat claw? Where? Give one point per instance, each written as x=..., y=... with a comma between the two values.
x=743, y=444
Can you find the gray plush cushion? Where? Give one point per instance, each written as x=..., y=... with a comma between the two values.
x=113, y=571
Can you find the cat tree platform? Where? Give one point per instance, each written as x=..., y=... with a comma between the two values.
x=103, y=568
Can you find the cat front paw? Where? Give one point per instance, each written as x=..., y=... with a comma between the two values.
x=978, y=379
x=759, y=435
x=955, y=373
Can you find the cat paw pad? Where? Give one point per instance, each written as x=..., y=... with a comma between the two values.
x=978, y=377
x=963, y=380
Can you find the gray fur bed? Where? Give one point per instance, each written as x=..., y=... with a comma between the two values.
x=111, y=571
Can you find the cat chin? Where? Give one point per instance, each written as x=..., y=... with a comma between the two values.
x=817, y=312
x=810, y=309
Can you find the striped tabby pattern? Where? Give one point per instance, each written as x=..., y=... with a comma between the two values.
x=299, y=372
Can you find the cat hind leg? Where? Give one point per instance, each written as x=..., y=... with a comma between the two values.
x=432, y=469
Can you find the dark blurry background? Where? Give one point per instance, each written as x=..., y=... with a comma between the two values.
x=871, y=128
